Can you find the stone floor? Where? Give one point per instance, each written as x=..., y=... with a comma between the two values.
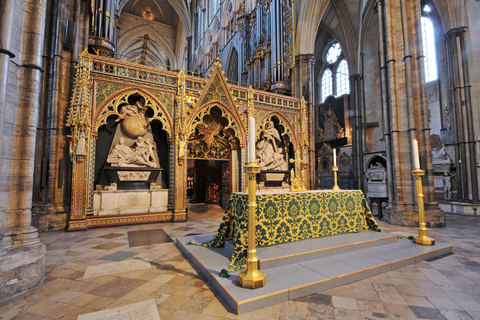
x=442, y=288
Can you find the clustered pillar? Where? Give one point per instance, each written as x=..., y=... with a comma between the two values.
x=461, y=105
x=405, y=111
x=22, y=254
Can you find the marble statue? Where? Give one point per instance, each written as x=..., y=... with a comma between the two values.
x=377, y=166
x=136, y=109
x=447, y=186
x=331, y=127
x=141, y=155
x=182, y=146
x=276, y=162
x=268, y=155
x=121, y=155
x=440, y=154
x=329, y=124
x=145, y=152
x=81, y=143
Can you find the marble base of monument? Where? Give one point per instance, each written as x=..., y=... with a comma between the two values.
x=118, y=202
x=132, y=174
x=274, y=179
x=462, y=208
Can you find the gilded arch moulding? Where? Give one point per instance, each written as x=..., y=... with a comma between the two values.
x=233, y=123
x=217, y=92
x=111, y=105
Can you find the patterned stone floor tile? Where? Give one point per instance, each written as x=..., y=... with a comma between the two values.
x=51, y=309
x=427, y=313
x=447, y=287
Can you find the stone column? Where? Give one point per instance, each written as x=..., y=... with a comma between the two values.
x=189, y=53
x=22, y=253
x=358, y=138
x=303, y=75
x=387, y=134
x=407, y=113
x=461, y=106
x=51, y=119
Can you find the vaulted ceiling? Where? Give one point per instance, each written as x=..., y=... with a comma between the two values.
x=153, y=32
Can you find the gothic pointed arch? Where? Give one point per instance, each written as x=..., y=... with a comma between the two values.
x=159, y=51
x=216, y=93
x=349, y=37
x=180, y=8
x=232, y=65
x=309, y=17
x=111, y=106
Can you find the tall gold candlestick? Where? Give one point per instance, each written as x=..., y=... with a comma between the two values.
x=252, y=278
x=423, y=237
x=335, y=170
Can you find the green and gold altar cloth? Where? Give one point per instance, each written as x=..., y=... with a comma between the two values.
x=291, y=216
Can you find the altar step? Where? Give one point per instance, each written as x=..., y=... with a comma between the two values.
x=301, y=268
x=310, y=249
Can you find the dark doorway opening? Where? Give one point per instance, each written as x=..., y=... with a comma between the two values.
x=204, y=180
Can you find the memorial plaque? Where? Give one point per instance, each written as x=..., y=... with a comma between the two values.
x=133, y=176
x=116, y=267
x=275, y=176
x=145, y=310
x=137, y=199
x=118, y=287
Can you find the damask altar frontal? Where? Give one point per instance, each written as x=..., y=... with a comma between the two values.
x=292, y=216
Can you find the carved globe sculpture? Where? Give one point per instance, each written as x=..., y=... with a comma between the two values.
x=135, y=126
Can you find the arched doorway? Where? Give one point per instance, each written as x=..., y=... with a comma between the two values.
x=212, y=151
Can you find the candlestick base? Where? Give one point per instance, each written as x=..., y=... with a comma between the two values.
x=251, y=279
x=424, y=240
x=423, y=237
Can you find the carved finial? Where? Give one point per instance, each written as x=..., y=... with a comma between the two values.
x=217, y=62
x=181, y=74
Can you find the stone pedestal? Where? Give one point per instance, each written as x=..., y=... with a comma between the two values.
x=118, y=202
x=407, y=215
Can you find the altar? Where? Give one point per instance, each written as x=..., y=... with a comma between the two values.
x=291, y=216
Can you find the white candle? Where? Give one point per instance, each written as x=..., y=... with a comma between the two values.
x=416, y=158
x=334, y=158
x=251, y=140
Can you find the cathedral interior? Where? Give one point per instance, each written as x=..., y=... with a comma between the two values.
x=128, y=112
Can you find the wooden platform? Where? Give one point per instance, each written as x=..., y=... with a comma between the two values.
x=301, y=268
